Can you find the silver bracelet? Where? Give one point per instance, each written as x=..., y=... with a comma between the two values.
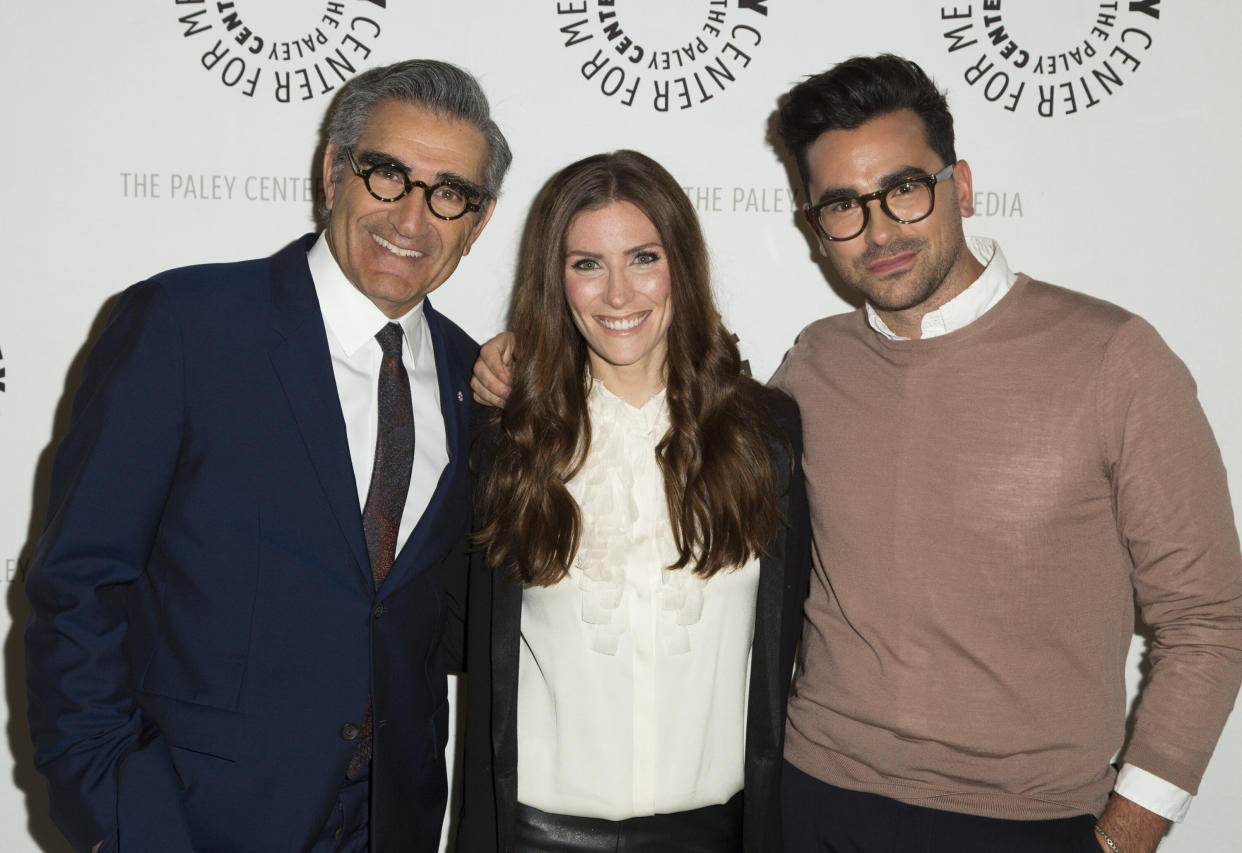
x=1111, y=844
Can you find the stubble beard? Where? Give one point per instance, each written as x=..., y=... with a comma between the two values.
x=908, y=288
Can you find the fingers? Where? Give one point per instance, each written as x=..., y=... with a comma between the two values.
x=482, y=394
x=491, y=380
x=499, y=353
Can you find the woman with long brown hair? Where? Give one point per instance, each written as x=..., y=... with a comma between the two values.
x=642, y=550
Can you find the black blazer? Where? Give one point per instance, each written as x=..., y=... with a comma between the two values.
x=494, y=611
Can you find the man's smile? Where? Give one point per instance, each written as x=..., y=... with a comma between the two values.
x=396, y=250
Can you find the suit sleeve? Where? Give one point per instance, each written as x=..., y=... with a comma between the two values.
x=1175, y=519
x=110, y=479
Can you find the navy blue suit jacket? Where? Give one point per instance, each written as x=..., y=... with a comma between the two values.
x=203, y=620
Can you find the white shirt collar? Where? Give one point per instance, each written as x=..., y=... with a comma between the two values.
x=350, y=316
x=969, y=305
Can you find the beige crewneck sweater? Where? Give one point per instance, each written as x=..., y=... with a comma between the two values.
x=987, y=506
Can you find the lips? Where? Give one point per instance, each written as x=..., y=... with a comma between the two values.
x=394, y=249
x=891, y=264
x=622, y=324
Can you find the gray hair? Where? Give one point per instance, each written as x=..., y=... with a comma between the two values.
x=440, y=87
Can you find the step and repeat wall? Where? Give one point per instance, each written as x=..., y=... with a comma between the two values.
x=146, y=135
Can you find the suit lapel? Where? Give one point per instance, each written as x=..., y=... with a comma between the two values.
x=431, y=535
x=302, y=361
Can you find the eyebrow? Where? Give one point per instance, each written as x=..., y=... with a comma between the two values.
x=654, y=244
x=383, y=158
x=835, y=193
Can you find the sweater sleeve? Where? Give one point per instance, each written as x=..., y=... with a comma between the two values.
x=1175, y=519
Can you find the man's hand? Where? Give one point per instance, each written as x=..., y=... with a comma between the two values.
x=491, y=381
x=1131, y=827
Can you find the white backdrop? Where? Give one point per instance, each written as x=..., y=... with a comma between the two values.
x=149, y=135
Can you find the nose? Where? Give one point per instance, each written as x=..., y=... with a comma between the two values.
x=617, y=290
x=409, y=215
x=880, y=226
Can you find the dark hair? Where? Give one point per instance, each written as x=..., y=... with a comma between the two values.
x=855, y=91
x=440, y=87
x=714, y=459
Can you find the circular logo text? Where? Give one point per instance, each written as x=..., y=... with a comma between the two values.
x=1049, y=58
x=659, y=55
x=262, y=48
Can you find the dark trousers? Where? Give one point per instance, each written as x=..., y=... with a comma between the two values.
x=820, y=817
x=348, y=829
x=711, y=829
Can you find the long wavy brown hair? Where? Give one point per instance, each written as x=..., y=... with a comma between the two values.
x=714, y=459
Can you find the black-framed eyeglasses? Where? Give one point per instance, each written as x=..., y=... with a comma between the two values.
x=906, y=201
x=388, y=182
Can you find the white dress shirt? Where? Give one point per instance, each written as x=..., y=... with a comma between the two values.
x=632, y=678
x=1134, y=783
x=352, y=321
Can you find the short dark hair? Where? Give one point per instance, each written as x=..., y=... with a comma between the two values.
x=855, y=91
x=441, y=87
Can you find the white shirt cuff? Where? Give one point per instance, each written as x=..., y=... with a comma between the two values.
x=1152, y=793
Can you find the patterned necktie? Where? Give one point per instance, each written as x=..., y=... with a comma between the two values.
x=394, y=457
x=390, y=482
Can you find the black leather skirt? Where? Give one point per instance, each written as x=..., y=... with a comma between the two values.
x=711, y=829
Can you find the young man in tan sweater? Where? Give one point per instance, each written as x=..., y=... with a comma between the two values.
x=998, y=469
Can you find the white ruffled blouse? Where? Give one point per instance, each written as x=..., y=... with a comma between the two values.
x=632, y=678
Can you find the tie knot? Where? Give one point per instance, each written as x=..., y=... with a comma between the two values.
x=389, y=339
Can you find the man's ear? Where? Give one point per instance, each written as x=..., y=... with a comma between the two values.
x=964, y=187
x=329, y=185
x=819, y=241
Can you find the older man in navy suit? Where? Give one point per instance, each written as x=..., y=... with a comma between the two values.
x=238, y=604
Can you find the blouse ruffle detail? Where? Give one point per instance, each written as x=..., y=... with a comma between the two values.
x=627, y=538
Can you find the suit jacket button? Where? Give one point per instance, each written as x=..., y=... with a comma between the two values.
x=349, y=731
x=379, y=610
